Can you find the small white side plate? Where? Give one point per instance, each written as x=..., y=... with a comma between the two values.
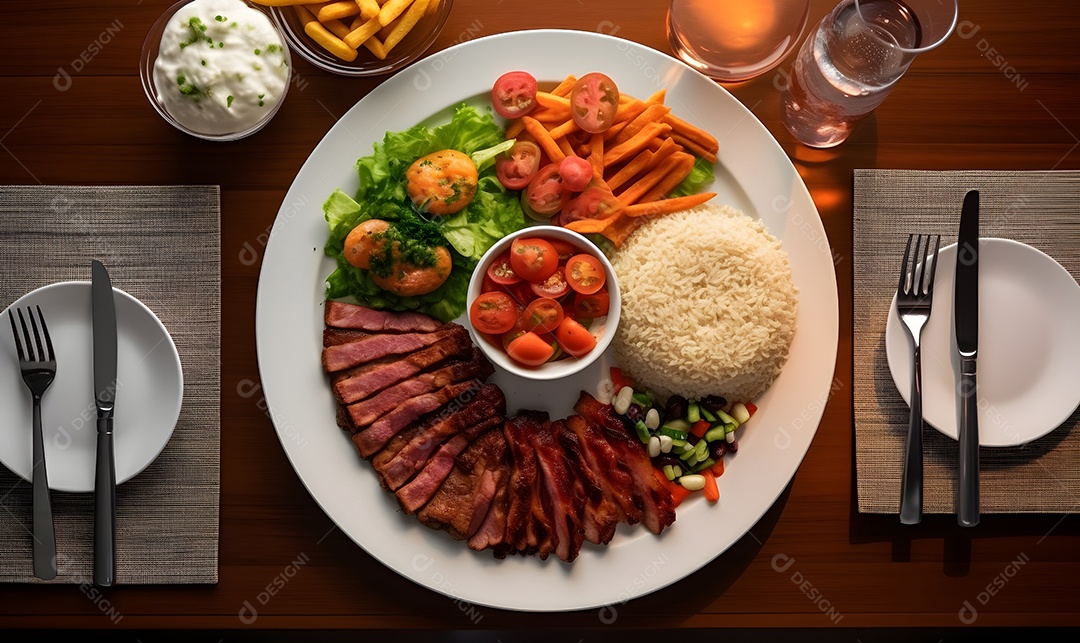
x=1029, y=346
x=149, y=393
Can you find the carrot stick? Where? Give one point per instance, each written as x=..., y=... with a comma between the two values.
x=638, y=164
x=565, y=147
x=628, y=112
x=634, y=144
x=565, y=129
x=547, y=99
x=563, y=88
x=514, y=127
x=666, y=206
x=696, y=149
x=596, y=155
x=712, y=492
x=652, y=114
x=718, y=468
x=550, y=114
x=684, y=163
x=645, y=184
x=694, y=133
x=543, y=138
x=666, y=148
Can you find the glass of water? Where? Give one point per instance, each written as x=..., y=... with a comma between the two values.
x=852, y=60
x=735, y=40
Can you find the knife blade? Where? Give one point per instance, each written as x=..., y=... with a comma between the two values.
x=966, y=321
x=104, y=316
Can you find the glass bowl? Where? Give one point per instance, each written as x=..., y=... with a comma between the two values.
x=411, y=47
x=149, y=55
x=603, y=329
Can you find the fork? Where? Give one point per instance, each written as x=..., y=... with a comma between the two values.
x=914, y=296
x=38, y=370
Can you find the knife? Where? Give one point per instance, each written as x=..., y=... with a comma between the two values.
x=104, y=315
x=966, y=320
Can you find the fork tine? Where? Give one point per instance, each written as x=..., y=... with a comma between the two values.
x=932, y=262
x=37, y=335
x=26, y=338
x=50, y=356
x=15, y=334
x=904, y=276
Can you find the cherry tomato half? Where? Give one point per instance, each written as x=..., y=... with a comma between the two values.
x=593, y=102
x=553, y=287
x=533, y=259
x=576, y=173
x=595, y=202
x=592, y=306
x=542, y=315
x=514, y=94
x=574, y=338
x=493, y=312
x=529, y=349
x=518, y=165
x=501, y=271
x=546, y=193
x=565, y=249
x=585, y=274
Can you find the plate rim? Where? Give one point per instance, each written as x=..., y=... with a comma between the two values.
x=173, y=352
x=806, y=223
x=893, y=327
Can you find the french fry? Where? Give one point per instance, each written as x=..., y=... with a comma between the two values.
x=405, y=23
x=640, y=211
x=339, y=29
x=391, y=9
x=375, y=46
x=359, y=34
x=543, y=139
x=643, y=185
x=634, y=144
x=432, y=7
x=670, y=181
x=337, y=10
x=329, y=41
x=281, y=3
x=368, y=9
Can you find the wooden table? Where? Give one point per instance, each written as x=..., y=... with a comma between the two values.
x=1000, y=94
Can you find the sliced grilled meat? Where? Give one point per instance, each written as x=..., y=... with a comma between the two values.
x=529, y=528
x=492, y=531
x=366, y=347
x=361, y=381
x=345, y=315
x=462, y=502
x=565, y=507
x=374, y=437
x=601, y=513
x=366, y=411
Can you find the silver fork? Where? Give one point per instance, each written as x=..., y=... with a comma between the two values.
x=914, y=296
x=38, y=370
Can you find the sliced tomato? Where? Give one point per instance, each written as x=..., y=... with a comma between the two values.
x=529, y=349
x=546, y=193
x=553, y=287
x=585, y=274
x=518, y=165
x=594, y=202
x=593, y=102
x=565, y=249
x=574, y=338
x=533, y=259
x=514, y=94
x=501, y=271
x=576, y=173
x=592, y=306
x=521, y=292
x=493, y=312
x=542, y=315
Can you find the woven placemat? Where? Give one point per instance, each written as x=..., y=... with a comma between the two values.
x=1041, y=209
x=163, y=246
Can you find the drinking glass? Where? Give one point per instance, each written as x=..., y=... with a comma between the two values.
x=853, y=58
x=735, y=40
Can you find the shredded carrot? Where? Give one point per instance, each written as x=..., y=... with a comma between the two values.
x=712, y=492
x=666, y=206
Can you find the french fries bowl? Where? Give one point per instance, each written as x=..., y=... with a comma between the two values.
x=360, y=37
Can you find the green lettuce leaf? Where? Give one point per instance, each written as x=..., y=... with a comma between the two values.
x=700, y=176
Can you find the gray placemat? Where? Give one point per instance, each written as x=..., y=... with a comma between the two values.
x=163, y=246
x=1041, y=209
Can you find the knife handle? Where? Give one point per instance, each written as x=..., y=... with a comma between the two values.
x=968, y=499
x=911, y=484
x=105, y=506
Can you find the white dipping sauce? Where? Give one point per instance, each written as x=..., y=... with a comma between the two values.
x=221, y=67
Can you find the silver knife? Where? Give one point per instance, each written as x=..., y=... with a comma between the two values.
x=104, y=314
x=966, y=320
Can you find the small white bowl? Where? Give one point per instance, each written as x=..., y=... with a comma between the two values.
x=149, y=55
x=603, y=328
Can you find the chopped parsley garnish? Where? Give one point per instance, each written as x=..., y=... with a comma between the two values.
x=273, y=49
x=228, y=101
x=187, y=88
x=198, y=33
x=221, y=18
x=258, y=51
x=261, y=99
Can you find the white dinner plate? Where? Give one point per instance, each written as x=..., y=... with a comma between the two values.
x=752, y=173
x=1029, y=346
x=149, y=389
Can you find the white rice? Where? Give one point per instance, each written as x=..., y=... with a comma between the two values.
x=708, y=305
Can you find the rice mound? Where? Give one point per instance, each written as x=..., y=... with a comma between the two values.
x=708, y=305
